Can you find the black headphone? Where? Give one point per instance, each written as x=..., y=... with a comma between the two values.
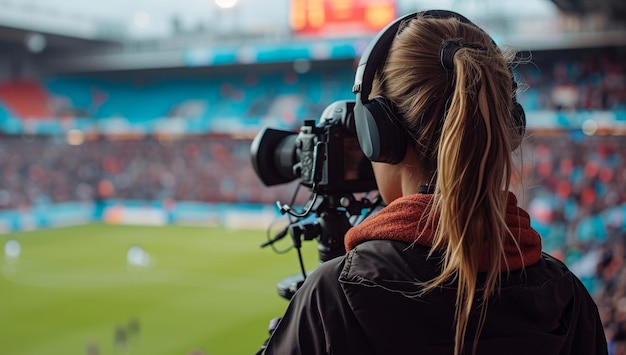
x=380, y=128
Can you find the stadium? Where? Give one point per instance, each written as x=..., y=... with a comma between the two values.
x=131, y=217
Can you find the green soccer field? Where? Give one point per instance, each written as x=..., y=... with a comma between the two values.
x=78, y=290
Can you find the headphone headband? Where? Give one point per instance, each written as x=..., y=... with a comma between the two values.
x=376, y=52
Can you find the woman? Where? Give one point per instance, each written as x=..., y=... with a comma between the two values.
x=451, y=265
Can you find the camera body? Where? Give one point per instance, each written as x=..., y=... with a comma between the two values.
x=325, y=156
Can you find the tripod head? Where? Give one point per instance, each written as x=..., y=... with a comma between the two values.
x=336, y=214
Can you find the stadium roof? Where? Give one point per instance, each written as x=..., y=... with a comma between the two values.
x=141, y=19
x=84, y=35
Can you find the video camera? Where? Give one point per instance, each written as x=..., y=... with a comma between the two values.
x=326, y=156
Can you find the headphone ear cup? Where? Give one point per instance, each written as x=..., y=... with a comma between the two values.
x=381, y=134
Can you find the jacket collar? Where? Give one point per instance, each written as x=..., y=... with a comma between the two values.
x=405, y=219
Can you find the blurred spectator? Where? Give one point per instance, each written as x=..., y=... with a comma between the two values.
x=586, y=80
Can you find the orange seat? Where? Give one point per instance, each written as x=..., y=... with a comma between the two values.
x=25, y=99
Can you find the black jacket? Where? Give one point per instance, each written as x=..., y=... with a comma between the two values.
x=366, y=302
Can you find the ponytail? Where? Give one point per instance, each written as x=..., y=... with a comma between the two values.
x=457, y=99
x=474, y=170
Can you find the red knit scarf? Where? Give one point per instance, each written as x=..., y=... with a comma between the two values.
x=403, y=219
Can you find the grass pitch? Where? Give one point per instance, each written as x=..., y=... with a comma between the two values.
x=72, y=290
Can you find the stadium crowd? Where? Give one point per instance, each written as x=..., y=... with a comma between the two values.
x=575, y=187
x=574, y=80
x=40, y=170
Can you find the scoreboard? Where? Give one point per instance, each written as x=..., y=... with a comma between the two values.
x=329, y=18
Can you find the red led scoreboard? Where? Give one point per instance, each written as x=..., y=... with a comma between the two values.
x=330, y=18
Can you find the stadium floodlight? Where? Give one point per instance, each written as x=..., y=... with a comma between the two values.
x=226, y=4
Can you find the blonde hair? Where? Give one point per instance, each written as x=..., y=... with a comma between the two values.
x=463, y=132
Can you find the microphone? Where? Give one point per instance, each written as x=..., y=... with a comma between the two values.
x=280, y=235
